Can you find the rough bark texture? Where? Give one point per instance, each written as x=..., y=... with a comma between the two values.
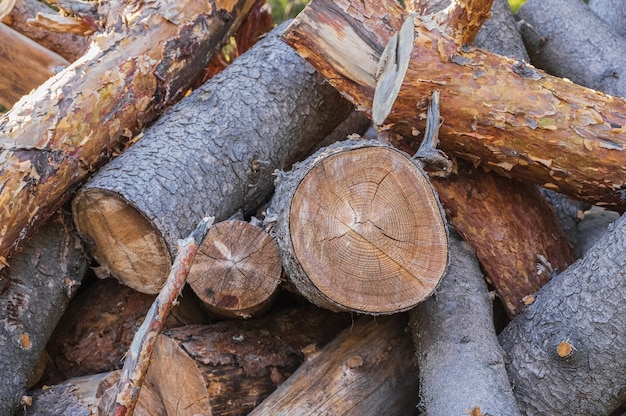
x=368, y=369
x=593, y=225
x=613, y=12
x=69, y=46
x=96, y=330
x=360, y=228
x=461, y=362
x=567, y=39
x=583, y=308
x=79, y=397
x=34, y=292
x=146, y=59
x=237, y=270
x=24, y=65
x=229, y=367
x=558, y=134
x=211, y=155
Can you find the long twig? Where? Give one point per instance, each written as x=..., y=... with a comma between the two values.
x=136, y=365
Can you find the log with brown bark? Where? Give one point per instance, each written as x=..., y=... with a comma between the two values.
x=69, y=46
x=24, y=65
x=79, y=396
x=237, y=270
x=461, y=362
x=360, y=228
x=34, y=293
x=213, y=154
x=499, y=211
x=368, y=369
x=566, y=350
x=229, y=367
x=144, y=59
x=556, y=133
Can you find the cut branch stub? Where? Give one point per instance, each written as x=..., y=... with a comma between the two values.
x=237, y=269
x=361, y=229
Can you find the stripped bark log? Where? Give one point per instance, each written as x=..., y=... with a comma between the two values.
x=310, y=34
x=559, y=135
x=145, y=60
x=368, y=369
x=461, y=362
x=237, y=270
x=24, y=65
x=568, y=40
x=69, y=46
x=263, y=112
x=574, y=333
x=79, y=396
x=228, y=367
x=34, y=293
x=360, y=229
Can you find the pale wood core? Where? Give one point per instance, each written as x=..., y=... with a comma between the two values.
x=237, y=268
x=122, y=240
x=368, y=231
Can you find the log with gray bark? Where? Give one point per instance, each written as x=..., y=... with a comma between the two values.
x=368, y=369
x=144, y=59
x=461, y=362
x=613, y=12
x=213, y=154
x=567, y=39
x=34, y=292
x=566, y=350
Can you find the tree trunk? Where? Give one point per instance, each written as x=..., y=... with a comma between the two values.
x=212, y=154
x=566, y=350
x=567, y=39
x=80, y=396
x=461, y=362
x=226, y=368
x=573, y=143
x=69, y=46
x=613, y=12
x=491, y=205
x=360, y=229
x=237, y=270
x=34, y=293
x=369, y=369
x=145, y=60
x=24, y=65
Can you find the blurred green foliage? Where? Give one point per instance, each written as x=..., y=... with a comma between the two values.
x=286, y=9
x=516, y=4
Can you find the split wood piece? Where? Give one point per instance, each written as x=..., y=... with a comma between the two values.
x=559, y=135
x=519, y=243
x=79, y=396
x=576, y=44
x=69, y=46
x=360, y=229
x=613, y=12
x=237, y=270
x=34, y=292
x=122, y=398
x=24, y=65
x=94, y=334
x=461, y=362
x=369, y=369
x=214, y=153
x=145, y=59
x=229, y=367
x=315, y=19
x=574, y=333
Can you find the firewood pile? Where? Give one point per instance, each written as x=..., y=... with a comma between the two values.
x=377, y=208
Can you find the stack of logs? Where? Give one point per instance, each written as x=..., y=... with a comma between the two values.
x=117, y=156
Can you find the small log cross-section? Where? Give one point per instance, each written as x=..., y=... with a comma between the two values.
x=360, y=229
x=237, y=269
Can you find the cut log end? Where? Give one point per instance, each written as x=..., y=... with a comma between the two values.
x=129, y=247
x=368, y=231
x=237, y=269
